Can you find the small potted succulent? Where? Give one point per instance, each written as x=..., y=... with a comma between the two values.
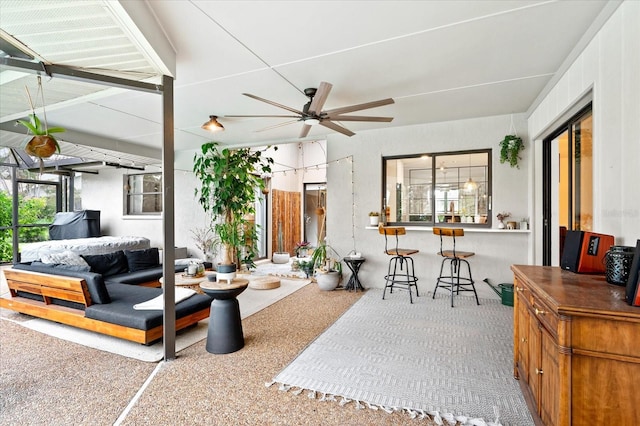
x=374, y=218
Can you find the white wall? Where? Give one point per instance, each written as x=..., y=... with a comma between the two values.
x=608, y=70
x=353, y=192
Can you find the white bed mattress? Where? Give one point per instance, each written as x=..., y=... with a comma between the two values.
x=97, y=245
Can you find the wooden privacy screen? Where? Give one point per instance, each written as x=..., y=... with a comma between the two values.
x=286, y=210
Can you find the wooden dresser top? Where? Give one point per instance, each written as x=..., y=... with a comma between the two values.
x=571, y=293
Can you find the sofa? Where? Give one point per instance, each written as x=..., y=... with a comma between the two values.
x=99, y=293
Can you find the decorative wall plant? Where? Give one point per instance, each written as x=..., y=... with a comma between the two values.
x=510, y=148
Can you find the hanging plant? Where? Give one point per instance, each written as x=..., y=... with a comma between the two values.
x=510, y=147
x=42, y=144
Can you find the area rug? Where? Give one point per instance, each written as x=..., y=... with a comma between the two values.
x=426, y=358
x=251, y=301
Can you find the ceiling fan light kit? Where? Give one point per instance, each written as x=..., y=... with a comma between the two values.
x=213, y=125
x=312, y=113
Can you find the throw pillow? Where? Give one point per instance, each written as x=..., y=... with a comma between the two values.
x=66, y=257
x=107, y=264
x=142, y=259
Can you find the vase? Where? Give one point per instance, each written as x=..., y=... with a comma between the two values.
x=374, y=220
x=500, y=225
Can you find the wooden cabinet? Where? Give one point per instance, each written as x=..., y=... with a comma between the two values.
x=576, y=348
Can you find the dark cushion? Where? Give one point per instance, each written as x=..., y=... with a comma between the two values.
x=123, y=296
x=142, y=259
x=107, y=264
x=95, y=283
x=137, y=277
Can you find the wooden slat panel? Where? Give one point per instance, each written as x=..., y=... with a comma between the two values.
x=285, y=209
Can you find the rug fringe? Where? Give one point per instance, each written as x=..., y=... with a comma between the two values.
x=415, y=414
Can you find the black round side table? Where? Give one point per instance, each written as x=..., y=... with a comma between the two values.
x=224, y=334
x=354, y=264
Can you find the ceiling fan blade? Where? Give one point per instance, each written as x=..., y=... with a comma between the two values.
x=359, y=107
x=305, y=131
x=336, y=127
x=261, y=116
x=359, y=118
x=295, y=111
x=286, y=123
x=320, y=97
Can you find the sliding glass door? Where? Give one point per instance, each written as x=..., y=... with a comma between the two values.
x=568, y=183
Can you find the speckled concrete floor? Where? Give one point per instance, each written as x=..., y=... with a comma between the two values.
x=46, y=381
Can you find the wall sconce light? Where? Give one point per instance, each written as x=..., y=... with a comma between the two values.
x=213, y=125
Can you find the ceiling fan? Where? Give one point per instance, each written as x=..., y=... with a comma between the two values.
x=312, y=112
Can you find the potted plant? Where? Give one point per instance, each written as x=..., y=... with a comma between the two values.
x=302, y=249
x=501, y=217
x=328, y=269
x=206, y=241
x=280, y=256
x=42, y=144
x=510, y=148
x=229, y=179
x=374, y=218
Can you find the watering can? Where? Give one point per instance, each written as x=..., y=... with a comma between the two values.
x=504, y=291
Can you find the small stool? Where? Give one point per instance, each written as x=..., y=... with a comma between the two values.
x=454, y=281
x=406, y=276
x=354, y=264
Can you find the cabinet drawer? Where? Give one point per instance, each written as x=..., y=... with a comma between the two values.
x=545, y=315
x=606, y=336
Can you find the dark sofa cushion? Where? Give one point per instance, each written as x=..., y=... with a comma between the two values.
x=142, y=259
x=95, y=283
x=107, y=264
x=123, y=296
x=140, y=277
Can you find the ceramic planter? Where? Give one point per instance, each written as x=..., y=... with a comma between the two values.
x=328, y=281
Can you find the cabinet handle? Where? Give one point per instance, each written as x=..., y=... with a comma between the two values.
x=520, y=288
x=540, y=312
x=539, y=371
x=524, y=340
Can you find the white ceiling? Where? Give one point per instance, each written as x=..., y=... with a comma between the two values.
x=439, y=61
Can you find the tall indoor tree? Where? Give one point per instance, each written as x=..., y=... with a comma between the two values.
x=230, y=181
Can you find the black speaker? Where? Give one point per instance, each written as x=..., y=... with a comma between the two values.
x=571, y=252
x=632, y=281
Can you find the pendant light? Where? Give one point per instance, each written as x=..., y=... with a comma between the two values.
x=213, y=125
x=470, y=185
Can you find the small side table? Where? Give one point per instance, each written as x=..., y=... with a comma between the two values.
x=224, y=334
x=354, y=264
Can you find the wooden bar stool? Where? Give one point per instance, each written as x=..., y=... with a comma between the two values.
x=404, y=276
x=456, y=259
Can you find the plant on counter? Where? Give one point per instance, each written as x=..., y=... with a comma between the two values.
x=302, y=248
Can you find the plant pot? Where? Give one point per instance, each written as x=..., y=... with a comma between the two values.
x=42, y=146
x=226, y=268
x=328, y=281
x=280, y=258
x=374, y=220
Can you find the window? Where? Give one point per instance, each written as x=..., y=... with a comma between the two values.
x=143, y=194
x=428, y=189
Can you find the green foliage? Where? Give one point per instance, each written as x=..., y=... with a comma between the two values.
x=30, y=211
x=229, y=179
x=510, y=148
x=324, y=253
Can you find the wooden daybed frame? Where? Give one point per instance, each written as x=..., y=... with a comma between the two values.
x=74, y=290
